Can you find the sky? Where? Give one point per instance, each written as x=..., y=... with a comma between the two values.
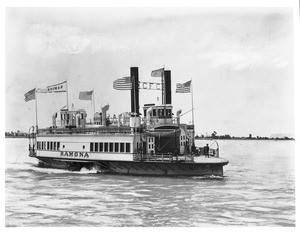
x=240, y=61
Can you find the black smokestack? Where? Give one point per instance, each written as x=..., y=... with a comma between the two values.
x=134, y=73
x=168, y=90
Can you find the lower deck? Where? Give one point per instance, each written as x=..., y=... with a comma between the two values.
x=148, y=168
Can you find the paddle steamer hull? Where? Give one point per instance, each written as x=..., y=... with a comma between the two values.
x=138, y=168
x=153, y=141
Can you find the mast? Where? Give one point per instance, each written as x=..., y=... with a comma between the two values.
x=163, y=90
x=36, y=116
x=94, y=102
x=193, y=123
x=67, y=93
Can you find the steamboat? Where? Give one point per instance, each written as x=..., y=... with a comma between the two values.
x=154, y=143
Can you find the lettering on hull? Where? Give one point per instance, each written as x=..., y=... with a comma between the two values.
x=74, y=154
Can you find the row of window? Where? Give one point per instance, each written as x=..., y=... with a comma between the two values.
x=48, y=145
x=110, y=147
x=151, y=139
x=94, y=146
x=151, y=146
x=160, y=113
x=70, y=115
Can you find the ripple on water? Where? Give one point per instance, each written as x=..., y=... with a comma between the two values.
x=253, y=192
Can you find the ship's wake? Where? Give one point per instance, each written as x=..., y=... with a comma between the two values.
x=208, y=177
x=35, y=168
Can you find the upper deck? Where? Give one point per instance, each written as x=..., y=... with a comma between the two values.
x=88, y=130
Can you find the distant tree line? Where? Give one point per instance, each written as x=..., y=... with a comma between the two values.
x=250, y=137
x=16, y=134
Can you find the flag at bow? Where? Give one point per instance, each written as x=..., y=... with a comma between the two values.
x=30, y=95
x=86, y=95
x=183, y=87
x=158, y=72
x=57, y=88
x=123, y=83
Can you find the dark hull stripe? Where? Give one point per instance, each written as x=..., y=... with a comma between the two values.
x=139, y=168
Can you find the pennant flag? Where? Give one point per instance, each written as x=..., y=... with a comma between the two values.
x=30, y=95
x=123, y=83
x=158, y=72
x=86, y=95
x=41, y=91
x=183, y=87
x=57, y=88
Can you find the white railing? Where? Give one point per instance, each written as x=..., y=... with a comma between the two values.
x=167, y=157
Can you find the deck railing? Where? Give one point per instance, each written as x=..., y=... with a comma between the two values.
x=99, y=130
x=168, y=157
x=202, y=151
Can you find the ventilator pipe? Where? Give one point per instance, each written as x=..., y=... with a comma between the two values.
x=119, y=119
x=104, y=108
x=178, y=116
x=148, y=114
x=54, y=119
x=77, y=120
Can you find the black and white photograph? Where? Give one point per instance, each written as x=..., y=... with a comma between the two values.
x=149, y=116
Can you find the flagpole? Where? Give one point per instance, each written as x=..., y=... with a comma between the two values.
x=67, y=93
x=162, y=89
x=94, y=102
x=36, y=117
x=163, y=99
x=192, y=110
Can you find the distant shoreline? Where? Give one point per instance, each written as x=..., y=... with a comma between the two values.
x=230, y=139
x=247, y=139
x=16, y=136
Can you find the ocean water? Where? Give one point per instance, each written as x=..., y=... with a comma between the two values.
x=258, y=189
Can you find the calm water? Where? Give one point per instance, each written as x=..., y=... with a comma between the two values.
x=257, y=190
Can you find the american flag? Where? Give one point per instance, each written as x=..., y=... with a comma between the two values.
x=123, y=83
x=86, y=95
x=158, y=72
x=30, y=95
x=183, y=87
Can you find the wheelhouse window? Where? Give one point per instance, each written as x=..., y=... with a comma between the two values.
x=154, y=113
x=101, y=147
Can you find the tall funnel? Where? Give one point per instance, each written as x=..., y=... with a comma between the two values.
x=168, y=89
x=134, y=73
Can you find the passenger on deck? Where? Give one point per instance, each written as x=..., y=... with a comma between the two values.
x=176, y=153
x=107, y=122
x=100, y=118
x=160, y=113
x=114, y=119
x=206, y=150
x=193, y=148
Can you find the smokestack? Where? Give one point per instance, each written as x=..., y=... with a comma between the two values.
x=168, y=90
x=134, y=73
